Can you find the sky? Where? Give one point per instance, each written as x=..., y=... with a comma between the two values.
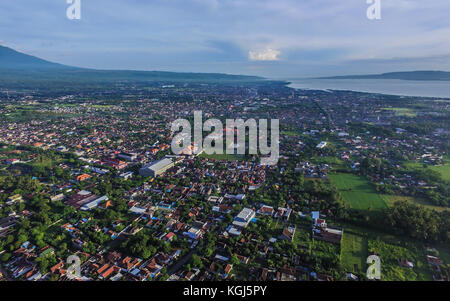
x=280, y=39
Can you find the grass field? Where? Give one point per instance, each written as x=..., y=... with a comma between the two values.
x=354, y=252
x=407, y=112
x=444, y=170
x=358, y=192
x=391, y=199
x=359, y=242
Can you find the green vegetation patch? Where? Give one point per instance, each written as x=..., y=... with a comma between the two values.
x=407, y=112
x=392, y=256
x=444, y=170
x=392, y=199
x=354, y=252
x=358, y=192
x=358, y=243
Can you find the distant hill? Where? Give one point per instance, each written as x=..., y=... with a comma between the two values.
x=413, y=75
x=14, y=60
x=17, y=67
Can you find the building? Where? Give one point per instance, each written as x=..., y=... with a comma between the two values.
x=215, y=199
x=126, y=175
x=115, y=163
x=333, y=235
x=127, y=156
x=99, y=170
x=94, y=203
x=14, y=199
x=83, y=177
x=322, y=144
x=156, y=168
x=244, y=218
x=288, y=233
x=266, y=210
x=194, y=233
x=58, y=197
x=80, y=199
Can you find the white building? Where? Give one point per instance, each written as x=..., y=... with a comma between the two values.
x=322, y=144
x=156, y=168
x=244, y=218
x=94, y=203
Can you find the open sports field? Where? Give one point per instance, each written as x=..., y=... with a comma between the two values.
x=358, y=192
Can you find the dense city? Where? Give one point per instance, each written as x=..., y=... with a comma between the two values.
x=90, y=173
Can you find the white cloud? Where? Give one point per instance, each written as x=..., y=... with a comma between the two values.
x=264, y=55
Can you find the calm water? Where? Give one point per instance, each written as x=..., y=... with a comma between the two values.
x=383, y=86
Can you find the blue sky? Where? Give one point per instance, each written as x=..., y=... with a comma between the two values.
x=272, y=38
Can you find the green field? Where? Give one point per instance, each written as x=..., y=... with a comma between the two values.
x=358, y=243
x=391, y=199
x=358, y=192
x=354, y=252
x=390, y=254
x=407, y=112
x=444, y=170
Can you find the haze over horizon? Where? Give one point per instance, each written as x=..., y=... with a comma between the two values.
x=282, y=39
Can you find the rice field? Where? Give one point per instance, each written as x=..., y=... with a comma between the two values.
x=358, y=192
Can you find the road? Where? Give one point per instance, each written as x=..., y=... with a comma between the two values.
x=182, y=262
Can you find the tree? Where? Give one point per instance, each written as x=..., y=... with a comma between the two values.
x=196, y=261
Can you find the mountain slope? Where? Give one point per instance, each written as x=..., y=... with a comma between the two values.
x=413, y=75
x=16, y=67
x=14, y=60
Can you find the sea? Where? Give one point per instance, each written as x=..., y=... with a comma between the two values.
x=436, y=89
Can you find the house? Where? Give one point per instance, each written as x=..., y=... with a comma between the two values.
x=215, y=199
x=7, y=222
x=11, y=161
x=322, y=145
x=82, y=177
x=99, y=170
x=283, y=213
x=266, y=210
x=17, y=198
x=234, y=231
x=433, y=260
x=169, y=237
x=127, y=156
x=79, y=243
x=406, y=263
x=115, y=163
x=332, y=235
x=227, y=271
x=46, y=251
x=315, y=215
x=58, y=266
x=126, y=175
x=58, y=197
x=193, y=233
x=222, y=209
x=288, y=233
x=320, y=223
